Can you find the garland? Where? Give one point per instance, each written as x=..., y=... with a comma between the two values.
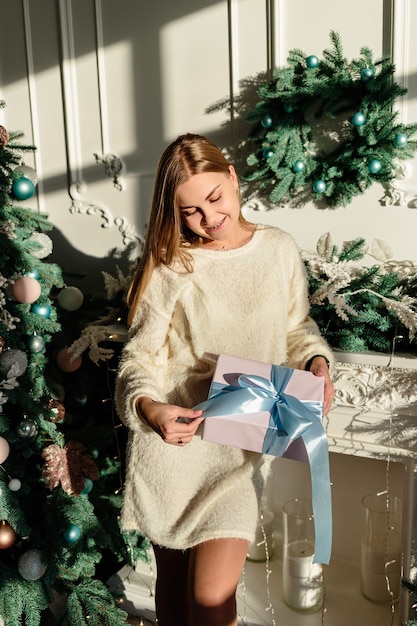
x=325, y=129
x=363, y=307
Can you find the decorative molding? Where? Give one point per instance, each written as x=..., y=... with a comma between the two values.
x=34, y=116
x=396, y=193
x=114, y=167
x=83, y=207
x=375, y=407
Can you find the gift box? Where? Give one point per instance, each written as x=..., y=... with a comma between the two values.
x=248, y=421
x=278, y=410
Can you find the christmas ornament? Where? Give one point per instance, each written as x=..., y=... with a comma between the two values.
x=43, y=310
x=8, y=536
x=298, y=166
x=312, y=61
x=319, y=186
x=4, y=136
x=299, y=113
x=33, y=273
x=358, y=119
x=400, y=140
x=69, y=466
x=70, y=298
x=367, y=74
x=374, y=166
x=27, y=172
x=66, y=362
x=23, y=188
x=26, y=289
x=88, y=486
x=13, y=362
x=31, y=565
x=4, y=449
x=56, y=410
x=72, y=534
x=36, y=344
x=43, y=246
x=26, y=428
x=14, y=484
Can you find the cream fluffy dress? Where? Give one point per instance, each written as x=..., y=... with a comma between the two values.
x=249, y=302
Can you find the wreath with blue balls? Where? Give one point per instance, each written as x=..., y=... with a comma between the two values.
x=312, y=101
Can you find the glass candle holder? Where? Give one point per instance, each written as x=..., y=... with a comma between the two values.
x=302, y=580
x=263, y=543
x=381, y=548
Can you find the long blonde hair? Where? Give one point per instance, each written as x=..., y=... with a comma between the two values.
x=167, y=236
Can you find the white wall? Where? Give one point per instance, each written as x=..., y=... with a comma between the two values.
x=124, y=78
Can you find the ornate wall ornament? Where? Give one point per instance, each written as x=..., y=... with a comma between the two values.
x=395, y=193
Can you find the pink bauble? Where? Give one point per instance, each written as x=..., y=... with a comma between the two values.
x=26, y=289
x=4, y=449
x=66, y=362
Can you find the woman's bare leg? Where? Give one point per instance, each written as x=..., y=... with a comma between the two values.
x=215, y=568
x=171, y=589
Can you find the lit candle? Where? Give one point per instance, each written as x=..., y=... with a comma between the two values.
x=376, y=567
x=302, y=579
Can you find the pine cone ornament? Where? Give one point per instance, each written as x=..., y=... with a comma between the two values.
x=4, y=136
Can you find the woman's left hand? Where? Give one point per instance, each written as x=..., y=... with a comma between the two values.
x=319, y=367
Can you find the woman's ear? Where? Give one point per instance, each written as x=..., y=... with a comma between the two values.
x=234, y=177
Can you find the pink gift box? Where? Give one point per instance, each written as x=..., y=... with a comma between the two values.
x=248, y=430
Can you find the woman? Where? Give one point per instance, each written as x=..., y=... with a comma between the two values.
x=209, y=282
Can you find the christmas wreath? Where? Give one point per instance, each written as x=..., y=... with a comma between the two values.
x=325, y=129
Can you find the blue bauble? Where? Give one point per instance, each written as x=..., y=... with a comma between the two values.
x=43, y=310
x=36, y=344
x=288, y=107
x=23, y=188
x=33, y=273
x=88, y=485
x=312, y=61
x=374, y=166
x=298, y=166
x=72, y=534
x=266, y=121
x=358, y=119
x=400, y=140
x=366, y=74
x=319, y=186
x=267, y=153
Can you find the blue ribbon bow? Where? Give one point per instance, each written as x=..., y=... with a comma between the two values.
x=290, y=419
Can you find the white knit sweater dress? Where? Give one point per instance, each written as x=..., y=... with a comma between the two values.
x=249, y=302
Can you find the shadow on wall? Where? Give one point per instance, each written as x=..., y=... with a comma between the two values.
x=84, y=271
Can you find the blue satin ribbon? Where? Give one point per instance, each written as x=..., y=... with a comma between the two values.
x=290, y=418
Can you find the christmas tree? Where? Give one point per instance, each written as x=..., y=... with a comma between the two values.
x=60, y=476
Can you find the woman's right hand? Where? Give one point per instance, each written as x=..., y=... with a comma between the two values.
x=164, y=419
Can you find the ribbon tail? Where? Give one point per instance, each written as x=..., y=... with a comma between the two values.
x=318, y=454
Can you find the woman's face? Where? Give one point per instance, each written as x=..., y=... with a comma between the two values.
x=210, y=206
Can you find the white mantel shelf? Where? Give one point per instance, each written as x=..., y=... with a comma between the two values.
x=374, y=413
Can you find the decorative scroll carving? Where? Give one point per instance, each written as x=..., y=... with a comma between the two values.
x=395, y=195
x=376, y=387
x=83, y=207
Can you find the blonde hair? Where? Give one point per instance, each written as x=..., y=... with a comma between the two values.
x=167, y=236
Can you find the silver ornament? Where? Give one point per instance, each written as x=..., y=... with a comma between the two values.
x=45, y=243
x=31, y=565
x=13, y=363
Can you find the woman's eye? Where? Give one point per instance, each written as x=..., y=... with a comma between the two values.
x=216, y=199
